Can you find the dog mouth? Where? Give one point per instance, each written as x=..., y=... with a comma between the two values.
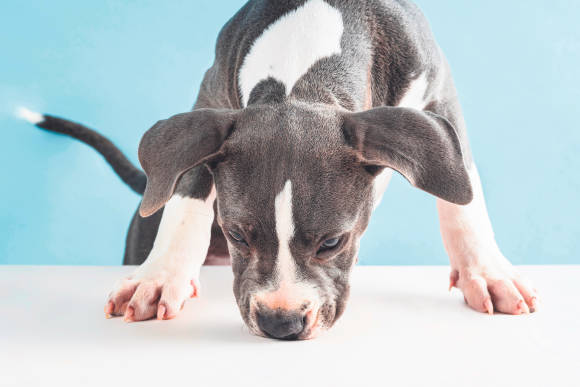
x=315, y=327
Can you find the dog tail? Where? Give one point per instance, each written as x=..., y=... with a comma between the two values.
x=131, y=175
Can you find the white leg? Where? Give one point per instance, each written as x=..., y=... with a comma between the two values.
x=488, y=280
x=170, y=274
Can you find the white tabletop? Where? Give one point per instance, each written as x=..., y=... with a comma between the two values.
x=401, y=328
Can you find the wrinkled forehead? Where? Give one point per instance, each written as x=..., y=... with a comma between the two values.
x=327, y=207
x=296, y=125
x=273, y=146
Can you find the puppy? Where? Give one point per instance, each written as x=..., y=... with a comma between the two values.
x=308, y=108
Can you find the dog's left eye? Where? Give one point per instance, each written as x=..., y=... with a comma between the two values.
x=328, y=245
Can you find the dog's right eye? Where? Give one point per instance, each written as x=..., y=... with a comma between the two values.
x=237, y=237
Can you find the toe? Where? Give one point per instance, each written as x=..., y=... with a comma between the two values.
x=172, y=298
x=528, y=293
x=476, y=294
x=144, y=301
x=506, y=297
x=119, y=298
x=120, y=309
x=129, y=314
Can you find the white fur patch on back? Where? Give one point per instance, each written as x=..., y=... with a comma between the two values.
x=286, y=269
x=415, y=95
x=291, y=45
x=30, y=116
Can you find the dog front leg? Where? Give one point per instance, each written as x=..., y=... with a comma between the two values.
x=170, y=274
x=487, y=279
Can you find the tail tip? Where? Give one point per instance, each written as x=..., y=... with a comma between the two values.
x=29, y=115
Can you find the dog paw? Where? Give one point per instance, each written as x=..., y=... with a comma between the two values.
x=142, y=296
x=495, y=286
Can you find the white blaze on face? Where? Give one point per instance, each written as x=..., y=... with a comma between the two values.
x=285, y=267
x=291, y=45
x=286, y=291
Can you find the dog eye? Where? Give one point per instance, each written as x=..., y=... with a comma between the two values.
x=237, y=237
x=328, y=245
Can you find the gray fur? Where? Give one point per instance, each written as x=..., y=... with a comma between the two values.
x=422, y=146
x=173, y=146
x=333, y=132
x=321, y=139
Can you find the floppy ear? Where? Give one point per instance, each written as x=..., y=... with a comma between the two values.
x=177, y=144
x=422, y=146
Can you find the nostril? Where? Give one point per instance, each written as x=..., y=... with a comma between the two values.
x=281, y=324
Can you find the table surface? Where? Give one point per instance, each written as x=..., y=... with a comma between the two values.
x=401, y=328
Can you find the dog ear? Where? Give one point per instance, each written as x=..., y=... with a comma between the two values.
x=422, y=146
x=175, y=145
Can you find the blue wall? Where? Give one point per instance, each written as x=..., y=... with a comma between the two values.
x=119, y=66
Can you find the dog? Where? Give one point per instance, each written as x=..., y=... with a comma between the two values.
x=309, y=107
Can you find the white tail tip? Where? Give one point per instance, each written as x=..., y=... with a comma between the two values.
x=29, y=115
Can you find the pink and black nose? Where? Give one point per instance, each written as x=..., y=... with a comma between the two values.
x=281, y=324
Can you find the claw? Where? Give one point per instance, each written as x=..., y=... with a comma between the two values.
x=488, y=306
x=453, y=277
x=161, y=312
x=194, y=292
x=109, y=308
x=522, y=308
x=129, y=314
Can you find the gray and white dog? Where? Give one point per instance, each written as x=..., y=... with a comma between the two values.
x=309, y=107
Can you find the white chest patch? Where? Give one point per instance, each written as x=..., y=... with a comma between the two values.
x=291, y=45
x=415, y=95
x=286, y=270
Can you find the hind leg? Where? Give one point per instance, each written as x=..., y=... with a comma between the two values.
x=140, y=237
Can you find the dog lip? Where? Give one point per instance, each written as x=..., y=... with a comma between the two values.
x=312, y=326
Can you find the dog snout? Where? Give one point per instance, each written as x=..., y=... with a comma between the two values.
x=279, y=324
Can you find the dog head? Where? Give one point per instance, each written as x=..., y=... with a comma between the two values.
x=294, y=186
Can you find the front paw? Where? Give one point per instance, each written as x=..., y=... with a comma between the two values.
x=143, y=296
x=495, y=286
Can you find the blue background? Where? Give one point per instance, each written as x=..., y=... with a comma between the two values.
x=119, y=66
